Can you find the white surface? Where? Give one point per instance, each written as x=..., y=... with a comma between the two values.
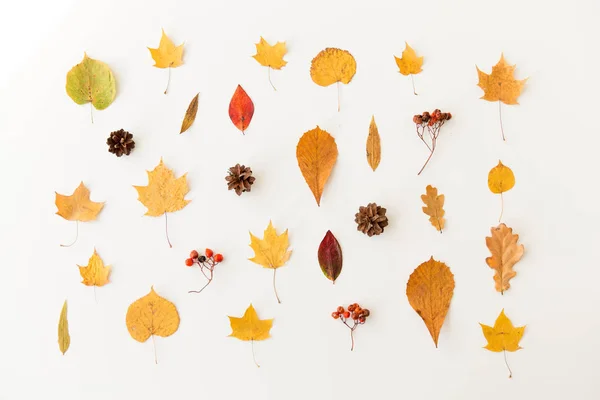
x=48, y=144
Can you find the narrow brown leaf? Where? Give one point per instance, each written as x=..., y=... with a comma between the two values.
x=64, y=339
x=505, y=254
x=330, y=257
x=190, y=114
x=434, y=207
x=373, y=145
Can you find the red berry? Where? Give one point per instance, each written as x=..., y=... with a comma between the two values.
x=193, y=254
x=218, y=258
x=351, y=307
x=346, y=314
x=335, y=315
x=189, y=262
x=362, y=320
x=208, y=252
x=340, y=309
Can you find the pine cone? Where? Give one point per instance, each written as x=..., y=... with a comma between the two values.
x=240, y=179
x=120, y=142
x=371, y=219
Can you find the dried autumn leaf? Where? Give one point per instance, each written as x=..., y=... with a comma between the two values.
x=501, y=179
x=429, y=291
x=270, y=56
x=91, y=81
x=190, y=114
x=504, y=336
x=434, y=207
x=409, y=64
x=151, y=315
x=330, y=257
x=316, y=153
x=167, y=55
x=250, y=328
x=164, y=193
x=77, y=207
x=64, y=339
x=241, y=109
x=505, y=254
x=373, y=145
x=271, y=251
x=333, y=66
x=500, y=85
x=95, y=273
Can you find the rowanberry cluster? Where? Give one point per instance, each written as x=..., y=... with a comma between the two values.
x=354, y=313
x=431, y=119
x=433, y=123
x=207, y=263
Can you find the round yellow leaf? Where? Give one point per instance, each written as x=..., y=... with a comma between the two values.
x=151, y=315
x=501, y=179
x=332, y=65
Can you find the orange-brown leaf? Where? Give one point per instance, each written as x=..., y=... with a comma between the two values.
x=190, y=114
x=505, y=254
x=429, y=291
x=316, y=153
x=78, y=206
x=241, y=109
x=501, y=84
x=373, y=145
x=434, y=207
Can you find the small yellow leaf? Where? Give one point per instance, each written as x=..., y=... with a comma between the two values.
x=501, y=179
x=434, y=207
x=272, y=250
x=167, y=55
x=501, y=84
x=95, y=273
x=373, y=145
x=64, y=339
x=190, y=114
x=270, y=56
x=78, y=206
x=409, y=63
x=332, y=65
x=151, y=315
x=503, y=336
x=250, y=327
x=505, y=254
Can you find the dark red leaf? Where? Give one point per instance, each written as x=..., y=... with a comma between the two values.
x=241, y=109
x=330, y=257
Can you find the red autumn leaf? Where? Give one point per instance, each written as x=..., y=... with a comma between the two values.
x=241, y=109
x=330, y=257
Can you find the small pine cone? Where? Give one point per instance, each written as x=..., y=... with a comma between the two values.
x=371, y=219
x=240, y=179
x=120, y=142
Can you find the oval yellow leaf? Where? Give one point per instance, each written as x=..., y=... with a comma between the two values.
x=332, y=65
x=373, y=145
x=91, y=81
x=64, y=339
x=151, y=315
x=501, y=179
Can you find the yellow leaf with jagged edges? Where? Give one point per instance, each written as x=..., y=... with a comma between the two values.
x=409, y=63
x=250, y=327
x=167, y=55
x=501, y=84
x=270, y=56
x=151, y=315
x=504, y=336
x=95, y=273
x=434, y=207
x=78, y=206
x=164, y=193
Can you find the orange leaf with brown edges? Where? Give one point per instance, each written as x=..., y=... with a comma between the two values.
x=505, y=254
x=241, y=109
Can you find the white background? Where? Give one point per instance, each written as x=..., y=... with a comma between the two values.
x=48, y=144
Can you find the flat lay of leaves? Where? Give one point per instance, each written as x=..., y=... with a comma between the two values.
x=330, y=257
x=503, y=337
x=241, y=109
x=250, y=328
x=501, y=179
x=77, y=207
x=167, y=55
x=190, y=114
x=333, y=66
x=409, y=64
x=271, y=251
x=270, y=56
x=505, y=254
x=434, y=207
x=64, y=339
x=373, y=145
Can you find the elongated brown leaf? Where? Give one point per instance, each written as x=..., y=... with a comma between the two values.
x=434, y=207
x=64, y=339
x=330, y=257
x=316, y=153
x=190, y=114
x=373, y=145
x=505, y=254
x=429, y=291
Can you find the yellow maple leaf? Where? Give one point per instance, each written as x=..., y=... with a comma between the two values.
x=409, y=63
x=250, y=328
x=95, y=273
x=331, y=66
x=270, y=56
x=271, y=251
x=505, y=254
x=78, y=206
x=434, y=207
x=167, y=55
x=501, y=84
x=504, y=336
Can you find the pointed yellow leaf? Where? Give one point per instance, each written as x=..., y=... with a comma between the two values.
x=250, y=327
x=272, y=250
x=78, y=206
x=270, y=56
x=409, y=63
x=95, y=273
x=501, y=84
x=505, y=254
x=151, y=315
x=167, y=55
x=434, y=207
x=501, y=179
x=91, y=81
x=373, y=145
x=64, y=339
x=164, y=193
x=503, y=336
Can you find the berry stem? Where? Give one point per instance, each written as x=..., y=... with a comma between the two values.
x=274, y=286
x=500, y=113
x=352, y=339
x=412, y=78
x=210, y=266
x=76, y=236
x=507, y=366
x=168, y=80
x=167, y=231
x=273, y=86
x=253, y=356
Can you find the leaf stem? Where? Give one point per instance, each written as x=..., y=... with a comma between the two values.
x=275, y=287
x=273, y=86
x=76, y=236
x=412, y=78
x=501, y=207
x=500, y=113
x=91, y=112
x=167, y=231
x=253, y=356
x=168, y=81
x=154, y=345
x=507, y=366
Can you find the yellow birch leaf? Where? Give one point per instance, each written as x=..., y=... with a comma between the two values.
x=316, y=153
x=505, y=254
x=151, y=315
x=95, y=273
x=501, y=84
x=167, y=55
x=250, y=327
x=504, y=336
x=270, y=56
x=78, y=206
x=501, y=179
x=190, y=114
x=409, y=63
x=64, y=339
x=434, y=207
x=332, y=65
x=373, y=145
x=91, y=81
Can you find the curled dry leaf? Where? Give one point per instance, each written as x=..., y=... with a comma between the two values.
x=504, y=336
x=373, y=145
x=190, y=114
x=330, y=257
x=64, y=339
x=241, y=109
x=429, y=291
x=91, y=81
x=95, y=273
x=332, y=66
x=316, y=153
x=250, y=328
x=434, y=207
x=501, y=179
x=505, y=254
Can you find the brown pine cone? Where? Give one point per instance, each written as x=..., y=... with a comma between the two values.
x=371, y=219
x=120, y=142
x=240, y=179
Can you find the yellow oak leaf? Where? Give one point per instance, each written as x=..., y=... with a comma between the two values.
x=505, y=254
x=333, y=65
x=64, y=339
x=270, y=56
x=95, y=273
x=373, y=145
x=78, y=206
x=434, y=207
x=164, y=193
x=409, y=64
x=501, y=84
x=167, y=55
x=271, y=251
x=504, y=336
x=250, y=327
